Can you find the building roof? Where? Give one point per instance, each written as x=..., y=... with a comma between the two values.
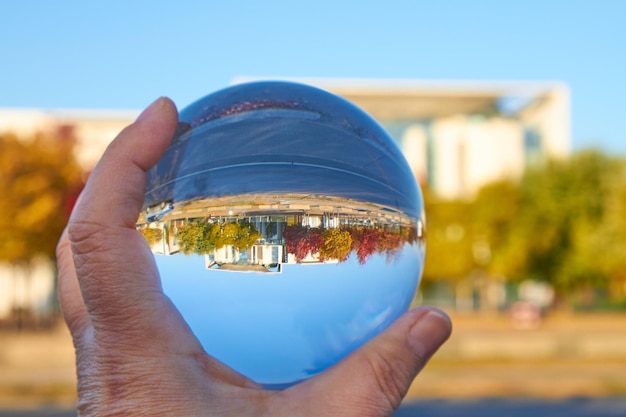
x=424, y=99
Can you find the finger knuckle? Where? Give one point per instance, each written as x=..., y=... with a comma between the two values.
x=85, y=236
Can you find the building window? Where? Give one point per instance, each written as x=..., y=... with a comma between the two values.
x=533, y=151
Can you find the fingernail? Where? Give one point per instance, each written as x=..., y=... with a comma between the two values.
x=429, y=333
x=151, y=109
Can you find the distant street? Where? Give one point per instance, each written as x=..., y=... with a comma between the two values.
x=515, y=408
x=577, y=407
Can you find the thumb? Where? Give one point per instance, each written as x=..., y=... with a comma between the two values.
x=114, y=266
x=373, y=380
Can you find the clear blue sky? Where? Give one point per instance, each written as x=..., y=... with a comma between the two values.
x=123, y=54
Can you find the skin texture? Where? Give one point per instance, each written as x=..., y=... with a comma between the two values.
x=135, y=355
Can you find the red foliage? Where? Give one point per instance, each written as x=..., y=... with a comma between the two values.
x=389, y=243
x=302, y=240
x=368, y=243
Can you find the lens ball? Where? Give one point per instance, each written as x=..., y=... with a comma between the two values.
x=287, y=227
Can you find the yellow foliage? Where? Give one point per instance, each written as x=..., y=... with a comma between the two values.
x=38, y=177
x=336, y=244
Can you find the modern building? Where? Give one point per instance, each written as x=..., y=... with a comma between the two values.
x=456, y=135
x=94, y=129
x=460, y=135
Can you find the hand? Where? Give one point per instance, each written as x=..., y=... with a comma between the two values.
x=135, y=354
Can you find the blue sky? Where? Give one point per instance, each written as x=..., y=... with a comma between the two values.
x=123, y=54
x=302, y=320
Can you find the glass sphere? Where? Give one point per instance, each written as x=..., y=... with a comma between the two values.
x=287, y=227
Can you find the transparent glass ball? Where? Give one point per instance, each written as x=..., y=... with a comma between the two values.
x=287, y=227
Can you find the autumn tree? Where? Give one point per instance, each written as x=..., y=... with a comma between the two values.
x=497, y=242
x=39, y=180
x=564, y=207
x=152, y=235
x=563, y=223
x=449, y=253
x=192, y=238
x=364, y=242
x=200, y=237
x=390, y=241
x=336, y=244
x=601, y=245
x=302, y=241
x=247, y=235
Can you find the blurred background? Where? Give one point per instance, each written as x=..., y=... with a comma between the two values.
x=510, y=115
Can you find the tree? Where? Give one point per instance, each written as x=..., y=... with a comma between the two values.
x=494, y=215
x=227, y=235
x=302, y=241
x=559, y=203
x=336, y=244
x=563, y=223
x=247, y=235
x=449, y=253
x=598, y=235
x=200, y=237
x=192, y=237
x=152, y=236
x=390, y=240
x=39, y=181
x=364, y=242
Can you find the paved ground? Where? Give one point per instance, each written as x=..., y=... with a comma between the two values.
x=608, y=407
x=515, y=408
x=569, y=356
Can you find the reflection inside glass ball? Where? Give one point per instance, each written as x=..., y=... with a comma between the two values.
x=287, y=227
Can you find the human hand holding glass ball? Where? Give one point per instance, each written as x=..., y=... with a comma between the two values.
x=273, y=276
